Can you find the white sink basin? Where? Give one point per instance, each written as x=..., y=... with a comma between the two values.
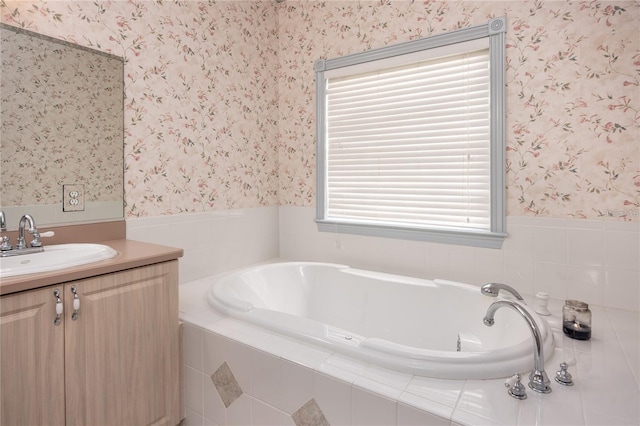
x=53, y=258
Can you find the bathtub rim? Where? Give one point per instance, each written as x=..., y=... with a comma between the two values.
x=469, y=365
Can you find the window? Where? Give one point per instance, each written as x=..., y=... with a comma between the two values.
x=411, y=139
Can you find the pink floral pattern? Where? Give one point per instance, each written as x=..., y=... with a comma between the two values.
x=220, y=96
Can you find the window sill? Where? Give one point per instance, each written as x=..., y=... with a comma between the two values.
x=473, y=238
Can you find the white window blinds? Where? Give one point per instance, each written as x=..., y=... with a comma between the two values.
x=410, y=144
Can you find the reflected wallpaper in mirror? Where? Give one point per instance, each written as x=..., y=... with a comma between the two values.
x=61, y=118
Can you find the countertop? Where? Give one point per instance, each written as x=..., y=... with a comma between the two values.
x=131, y=254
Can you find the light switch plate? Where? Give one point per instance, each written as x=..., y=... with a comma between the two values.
x=73, y=198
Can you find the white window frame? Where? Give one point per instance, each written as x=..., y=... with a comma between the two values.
x=494, y=30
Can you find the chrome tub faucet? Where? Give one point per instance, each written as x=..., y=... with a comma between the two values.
x=538, y=380
x=493, y=289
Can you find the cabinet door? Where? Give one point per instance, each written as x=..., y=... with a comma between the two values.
x=122, y=351
x=31, y=359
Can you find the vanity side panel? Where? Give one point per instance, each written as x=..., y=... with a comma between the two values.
x=123, y=353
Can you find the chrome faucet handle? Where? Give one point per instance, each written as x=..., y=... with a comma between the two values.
x=36, y=239
x=563, y=376
x=6, y=245
x=516, y=388
x=21, y=244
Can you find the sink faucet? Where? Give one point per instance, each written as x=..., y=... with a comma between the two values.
x=492, y=290
x=3, y=221
x=22, y=244
x=538, y=380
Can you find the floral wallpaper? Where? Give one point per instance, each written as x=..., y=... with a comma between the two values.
x=219, y=109
x=572, y=102
x=61, y=121
x=200, y=86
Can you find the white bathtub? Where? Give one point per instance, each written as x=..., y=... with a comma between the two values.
x=430, y=328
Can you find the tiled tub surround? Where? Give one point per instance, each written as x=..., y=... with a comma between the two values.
x=279, y=381
x=596, y=261
x=213, y=242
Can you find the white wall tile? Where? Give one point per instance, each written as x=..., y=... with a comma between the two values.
x=267, y=384
x=410, y=416
x=422, y=392
x=383, y=381
x=550, y=245
x=621, y=249
x=535, y=256
x=551, y=278
x=627, y=327
x=488, y=267
x=342, y=368
x=297, y=387
x=372, y=410
x=436, y=261
x=193, y=381
x=461, y=261
x=214, y=348
x=622, y=289
x=240, y=412
x=518, y=272
x=192, y=346
x=193, y=419
x=488, y=400
x=307, y=355
x=519, y=243
x=214, y=409
x=585, y=247
x=263, y=414
x=239, y=359
x=586, y=284
x=213, y=242
x=333, y=396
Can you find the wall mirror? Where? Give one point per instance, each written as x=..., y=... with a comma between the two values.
x=62, y=130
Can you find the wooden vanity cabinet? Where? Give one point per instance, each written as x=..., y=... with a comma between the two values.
x=31, y=359
x=116, y=363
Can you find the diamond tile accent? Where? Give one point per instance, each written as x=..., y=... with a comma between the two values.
x=310, y=414
x=226, y=384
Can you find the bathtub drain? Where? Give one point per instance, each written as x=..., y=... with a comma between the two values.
x=348, y=337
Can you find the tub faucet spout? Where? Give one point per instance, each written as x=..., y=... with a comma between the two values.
x=492, y=290
x=538, y=380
